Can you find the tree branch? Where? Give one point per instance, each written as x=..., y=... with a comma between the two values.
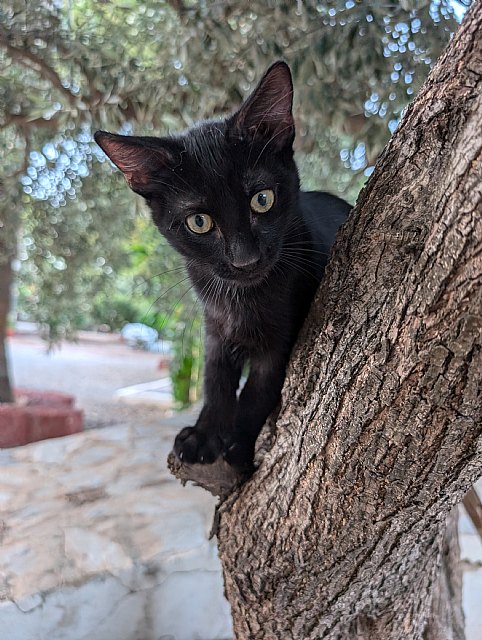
x=37, y=64
x=473, y=507
x=24, y=120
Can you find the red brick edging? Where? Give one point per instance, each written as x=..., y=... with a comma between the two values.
x=38, y=415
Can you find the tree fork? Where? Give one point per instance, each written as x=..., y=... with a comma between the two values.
x=340, y=533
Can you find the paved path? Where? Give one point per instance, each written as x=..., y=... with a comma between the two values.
x=100, y=542
x=93, y=370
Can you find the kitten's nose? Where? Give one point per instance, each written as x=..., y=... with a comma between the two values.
x=244, y=251
x=244, y=260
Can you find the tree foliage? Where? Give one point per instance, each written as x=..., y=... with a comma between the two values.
x=68, y=68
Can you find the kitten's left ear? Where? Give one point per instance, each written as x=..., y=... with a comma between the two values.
x=139, y=158
x=267, y=113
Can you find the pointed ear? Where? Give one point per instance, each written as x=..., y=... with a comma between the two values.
x=139, y=159
x=267, y=113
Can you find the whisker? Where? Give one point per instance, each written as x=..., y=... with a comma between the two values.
x=158, y=275
x=301, y=259
x=306, y=250
x=174, y=307
x=298, y=268
x=162, y=295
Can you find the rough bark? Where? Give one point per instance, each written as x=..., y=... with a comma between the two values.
x=10, y=216
x=5, y=284
x=340, y=533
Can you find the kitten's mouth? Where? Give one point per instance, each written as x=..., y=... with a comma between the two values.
x=247, y=278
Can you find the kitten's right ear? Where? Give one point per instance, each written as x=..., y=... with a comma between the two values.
x=267, y=113
x=139, y=159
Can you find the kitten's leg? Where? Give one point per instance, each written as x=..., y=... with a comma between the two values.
x=257, y=400
x=204, y=442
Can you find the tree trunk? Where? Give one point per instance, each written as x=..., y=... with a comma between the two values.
x=341, y=533
x=5, y=284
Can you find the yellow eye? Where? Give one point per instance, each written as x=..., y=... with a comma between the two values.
x=200, y=223
x=262, y=201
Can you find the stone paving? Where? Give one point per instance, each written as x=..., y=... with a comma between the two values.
x=99, y=542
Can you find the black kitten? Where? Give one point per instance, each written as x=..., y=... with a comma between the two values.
x=226, y=196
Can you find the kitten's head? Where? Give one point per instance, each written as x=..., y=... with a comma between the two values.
x=224, y=192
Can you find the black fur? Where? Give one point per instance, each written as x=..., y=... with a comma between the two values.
x=255, y=273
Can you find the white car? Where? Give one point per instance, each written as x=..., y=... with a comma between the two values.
x=139, y=335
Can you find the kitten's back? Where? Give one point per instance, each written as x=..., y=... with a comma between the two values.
x=323, y=213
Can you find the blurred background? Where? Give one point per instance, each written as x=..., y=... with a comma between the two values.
x=77, y=249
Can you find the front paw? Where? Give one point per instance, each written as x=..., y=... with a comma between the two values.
x=193, y=445
x=240, y=454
